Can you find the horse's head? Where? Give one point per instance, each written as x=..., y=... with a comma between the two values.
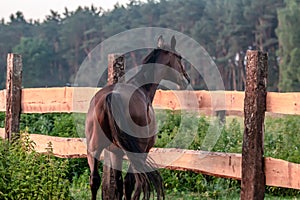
x=168, y=56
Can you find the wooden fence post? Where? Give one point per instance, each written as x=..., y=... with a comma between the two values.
x=116, y=68
x=253, y=176
x=13, y=95
x=112, y=185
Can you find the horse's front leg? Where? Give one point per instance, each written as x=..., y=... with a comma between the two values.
x=112, y=181
x=95, y=179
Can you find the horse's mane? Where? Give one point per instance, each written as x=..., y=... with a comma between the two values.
x=151, y=57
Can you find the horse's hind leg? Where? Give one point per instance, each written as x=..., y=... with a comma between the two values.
x=129, y=183
x=112, y=181
x=95, y=179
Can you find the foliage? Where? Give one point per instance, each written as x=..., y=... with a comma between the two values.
x=231, y=137
x=2, y=119
x=26, y=174
x=64, y=125
x=79, y=184
x=37, y=57
x=54, y=49
x=281, y=141
x=282, y=138
x=180, y=181
x=203, y=185
x=37, y=123
x=289, y=51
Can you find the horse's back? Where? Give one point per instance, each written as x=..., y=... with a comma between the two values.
x=135, y=110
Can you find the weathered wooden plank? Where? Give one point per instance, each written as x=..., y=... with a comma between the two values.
x=199, y=100
x=70, y=99
x=227, y=165
x=81, y=97
x=253, y=177
x=2, y=100
x=13, y=95
x=62, y=147
x=278, y=172
x=44, y=100
x=2, y=133
x=51, y=100
x=283, y=103
x=281, y=173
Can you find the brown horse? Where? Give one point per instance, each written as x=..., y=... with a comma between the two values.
x=121, y=120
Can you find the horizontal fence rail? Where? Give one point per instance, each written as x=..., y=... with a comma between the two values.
x=76, y=99
x=278, y=172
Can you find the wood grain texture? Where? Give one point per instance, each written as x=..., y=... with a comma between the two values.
x=2, y=100
x=283, y=103
x=76, y=99
x=253, y=176
x=13, y=95
x=57, y=100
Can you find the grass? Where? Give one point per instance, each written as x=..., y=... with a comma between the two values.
x=184, y=130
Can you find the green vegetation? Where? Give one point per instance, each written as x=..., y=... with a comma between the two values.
x=282, y=138
x=53, y=49
x=26, y=174
x=281, y=141
x=289, y=51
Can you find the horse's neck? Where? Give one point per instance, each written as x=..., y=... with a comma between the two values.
x=148, y=78
x=150, y=90
x=145, y=82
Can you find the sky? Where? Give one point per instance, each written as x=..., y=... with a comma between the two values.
x=38, y=9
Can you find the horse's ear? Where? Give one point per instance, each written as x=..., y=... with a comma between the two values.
x=173, y=43
x=160, y=42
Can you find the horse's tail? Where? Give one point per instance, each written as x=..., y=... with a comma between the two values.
x=145, y=174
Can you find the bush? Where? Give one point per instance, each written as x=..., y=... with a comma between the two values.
x=26, y=174
x=63, y=124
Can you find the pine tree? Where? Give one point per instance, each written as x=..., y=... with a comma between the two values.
x=289, y=46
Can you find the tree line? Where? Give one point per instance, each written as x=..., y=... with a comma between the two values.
x=53, y=49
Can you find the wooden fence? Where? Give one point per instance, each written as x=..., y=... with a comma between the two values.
x=76, y=99
x=56, y=100
x=68, y=99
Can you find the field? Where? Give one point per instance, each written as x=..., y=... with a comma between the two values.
x=70, y=176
